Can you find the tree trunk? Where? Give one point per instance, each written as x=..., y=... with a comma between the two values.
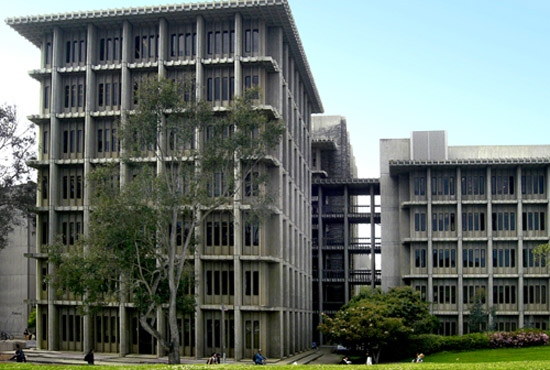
x=174, y=350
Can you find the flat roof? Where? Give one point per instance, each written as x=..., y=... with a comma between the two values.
x=274, y=12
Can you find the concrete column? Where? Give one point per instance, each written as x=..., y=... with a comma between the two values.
x=372, y=237
x=489, y=223
x=519, y=231
x=460, y=268
x=163, y=47
x=199, y=69
x=430, y=234
x=57, y=96
x=346, y=244
x=125, y=105
x=321, y=242
x=238, y=72
x=91, y=43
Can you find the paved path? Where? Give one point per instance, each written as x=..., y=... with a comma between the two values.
x=77, y=358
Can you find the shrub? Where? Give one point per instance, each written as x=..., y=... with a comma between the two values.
x=518, y=339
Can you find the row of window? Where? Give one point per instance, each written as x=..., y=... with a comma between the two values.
x=107, y=96
x=74, y=96
x=475, y=221
x=220, y=283
x=475, y=257
x=70, y=232
x=107, y=141
x=75, y=52
x=504, y=294
x=72, y=187
x=475, y=185
x=213, y=333
x=110, y=48
x=444, y=294
x=73, y=141
x=223, y=282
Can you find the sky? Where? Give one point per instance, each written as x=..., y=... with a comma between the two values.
x=479, y=69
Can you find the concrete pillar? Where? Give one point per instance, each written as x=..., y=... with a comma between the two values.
x=91, y=43
x=125, y=106
x=346, y=245
x=57, y=95
x=199, y=69
x=372, y=237
x=489, y=223
x=430, y=235
x=321, y=242
x=519, y=230
x=458, y=192
x=238, y=71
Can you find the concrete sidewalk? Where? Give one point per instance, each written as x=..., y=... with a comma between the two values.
x=77, y=358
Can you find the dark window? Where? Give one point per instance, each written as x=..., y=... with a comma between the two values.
x=217, y=89
x=188, y=44
x=210, y=43
x=46, y=97
x=255, y=40
x=137, y=52
x=68, y=52
x=225, y=89
x=247, y=41
x=108, y=49
x=218, y=46
x=48, y=53
x=173, y=41
x=102, y=49
x=99, y=141
x=100, y=95
x=116, y=49
x=67, y=94
x=225, y=48
x=65, y=141
x=232, y=41
x=209, y=90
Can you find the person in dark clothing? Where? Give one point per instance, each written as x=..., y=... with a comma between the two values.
x=89, y=358
x=19, y=355
x=259, y=359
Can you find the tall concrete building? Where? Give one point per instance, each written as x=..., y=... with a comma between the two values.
x=345, y=214
x=90, y=63
x=459, y=219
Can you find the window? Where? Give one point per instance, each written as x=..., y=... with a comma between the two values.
x=46, y=97
x=210, y=43
x=247, y=41
x=209, y=90
x=100, y=93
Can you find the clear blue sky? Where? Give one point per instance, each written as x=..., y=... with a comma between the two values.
x=479, y=69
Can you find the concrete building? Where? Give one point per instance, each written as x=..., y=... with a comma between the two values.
x=17, y=277
x=460, y=219
x=90, y=62
x=345, y=215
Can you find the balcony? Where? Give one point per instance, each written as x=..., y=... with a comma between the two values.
x=364, y=277
x=356, y=245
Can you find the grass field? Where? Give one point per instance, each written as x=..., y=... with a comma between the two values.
x=515, y=365
x=533, y=358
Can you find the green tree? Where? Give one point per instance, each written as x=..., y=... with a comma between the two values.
x=16, y=189
x=182, y=162
x=375, y=320
x=479, y=318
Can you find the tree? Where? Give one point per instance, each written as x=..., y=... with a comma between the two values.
x=16, y=190
x=374, y=320
x=479, y=318
x=182, y=162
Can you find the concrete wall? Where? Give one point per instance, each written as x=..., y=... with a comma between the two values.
x=17, y=282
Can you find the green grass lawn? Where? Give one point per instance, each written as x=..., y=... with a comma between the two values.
x=516, y=365
x=492, y=355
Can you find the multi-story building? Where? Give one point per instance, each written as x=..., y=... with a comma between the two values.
x=90, y=63
x=460, y=219
x=345, y=214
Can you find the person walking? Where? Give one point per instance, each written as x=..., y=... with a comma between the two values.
x=89, y=358
x=369, y=359
x=259, y=359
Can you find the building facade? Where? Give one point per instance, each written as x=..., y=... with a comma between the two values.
x=344, y=217
x=460, y=219
x=90, y=64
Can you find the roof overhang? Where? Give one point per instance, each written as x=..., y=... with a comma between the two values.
x=274, y=12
